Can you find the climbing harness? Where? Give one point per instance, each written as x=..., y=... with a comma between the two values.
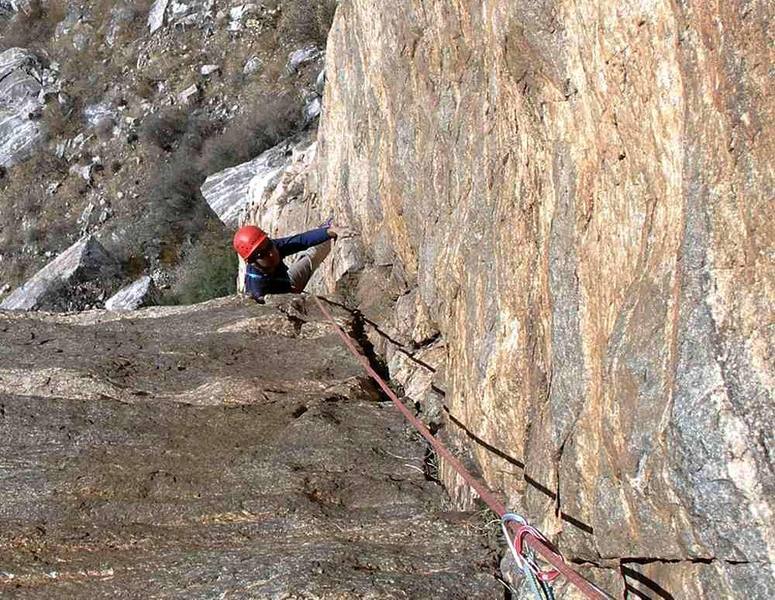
x=524, y=540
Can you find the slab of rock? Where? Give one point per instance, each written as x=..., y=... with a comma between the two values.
x=213, y=451
x=52, y=286
x=137, y=294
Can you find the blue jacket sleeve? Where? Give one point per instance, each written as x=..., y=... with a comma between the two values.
x=301, y=241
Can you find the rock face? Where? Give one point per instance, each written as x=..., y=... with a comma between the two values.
x=578, y=198
x=20, y=90
x=168, y=454
x=57, y=285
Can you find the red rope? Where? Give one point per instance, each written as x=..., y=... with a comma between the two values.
x=556, y=560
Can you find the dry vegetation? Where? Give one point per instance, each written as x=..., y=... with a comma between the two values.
x=33, y=28
x=307, y=20
x=28, y=219
x=206, y=270
x=185, y=148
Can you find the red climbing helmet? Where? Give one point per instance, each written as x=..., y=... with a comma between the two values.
x=247, y=239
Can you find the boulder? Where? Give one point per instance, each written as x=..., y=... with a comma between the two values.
x=19, y=76
x=139, y=293
x=62, y=283
x=301, y=57
x=207, y=70
x=190, y=95
x=252, y=66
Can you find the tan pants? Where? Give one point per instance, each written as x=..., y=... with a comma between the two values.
x=309, y=260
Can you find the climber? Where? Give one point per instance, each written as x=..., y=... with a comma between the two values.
x=267, y=273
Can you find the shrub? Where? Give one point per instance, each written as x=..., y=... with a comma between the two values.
x=145, y=87
x=307, y=20
x=164, y=129
x=33, y=26
x=175, y=209
x=208, y=270
x=271, y=120
x=23, y=198
x=61, y=122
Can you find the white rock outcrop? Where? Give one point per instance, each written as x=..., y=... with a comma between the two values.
x=20, y=101
x=231, y=190
x=156, y=15
x=180, y=13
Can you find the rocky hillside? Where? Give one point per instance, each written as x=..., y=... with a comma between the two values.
x=112, y=114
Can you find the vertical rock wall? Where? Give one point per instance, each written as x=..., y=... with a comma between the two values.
x=580, y=195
